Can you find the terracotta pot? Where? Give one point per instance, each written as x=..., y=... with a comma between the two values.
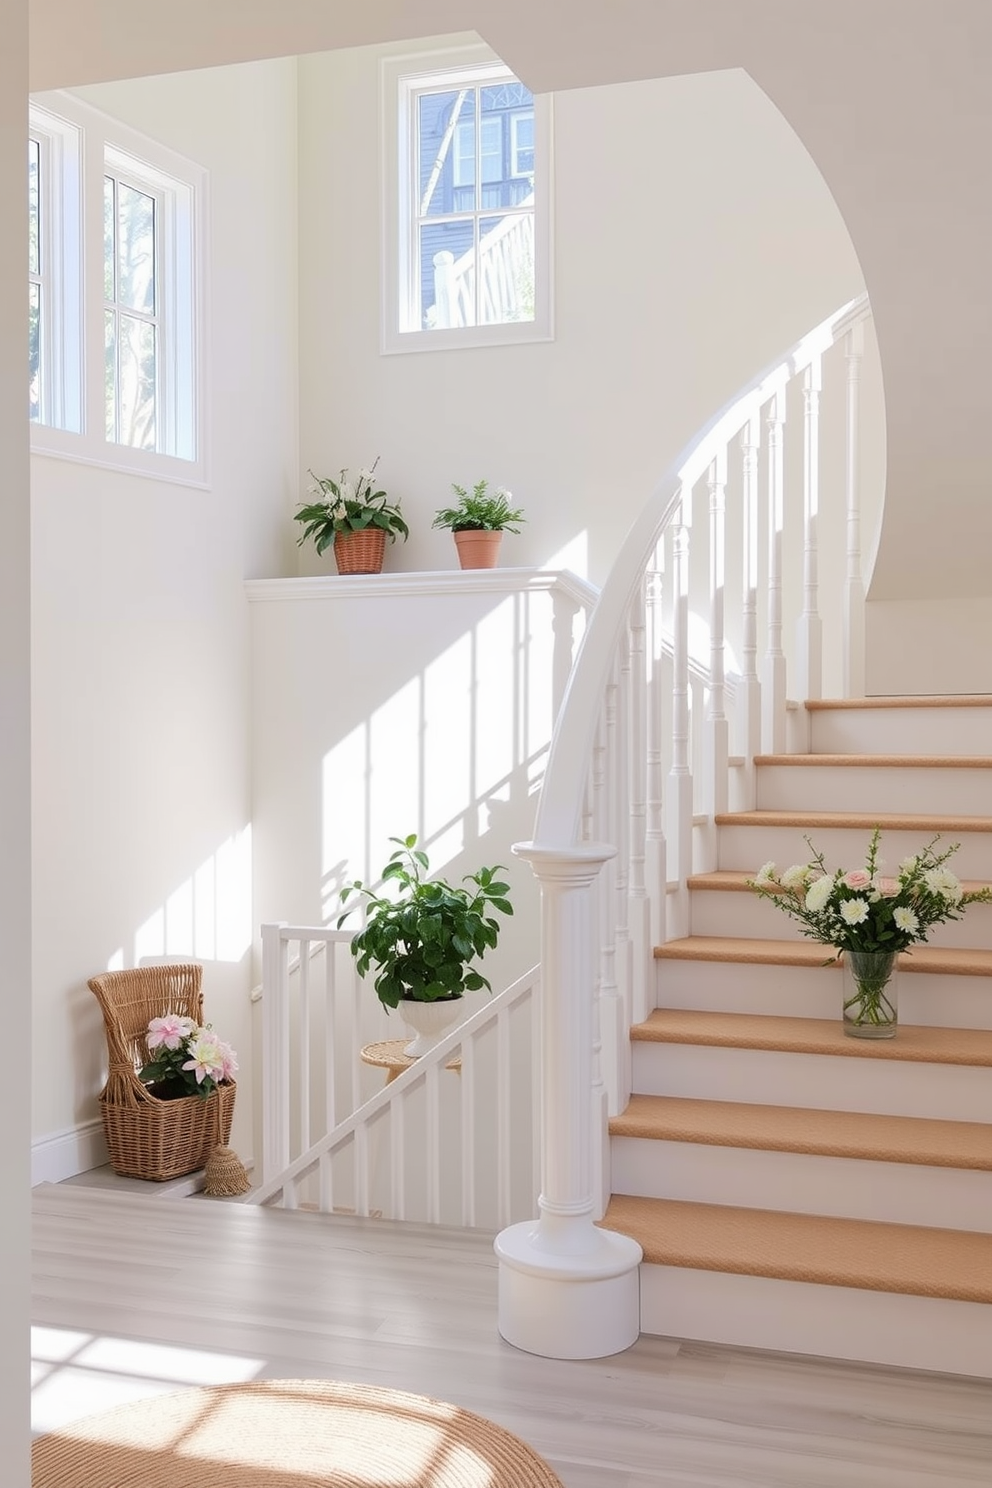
x=360, y=552
x=478, y=549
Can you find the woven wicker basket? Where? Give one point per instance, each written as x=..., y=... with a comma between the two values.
x=360, y=552
x=147, y=1137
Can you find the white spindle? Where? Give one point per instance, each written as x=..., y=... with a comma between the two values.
x=773, y=691
x=504, y=1111
x=749, y=688
x=360, y=1151
x=326, y=1184
x=397, y=1157
x=330, y=1039
x=275, y=1051
x=854, y=599
x=467, y=1101
x=564, y=611
x=717, y=728
x=680, y=781
x=639, y=912
x=303, y=1060
x=433, y=1143
x=809, y=635
x=654, y=848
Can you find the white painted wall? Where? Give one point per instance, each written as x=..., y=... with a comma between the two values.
x=694, y=240
x=15, y=761
x=140, y=625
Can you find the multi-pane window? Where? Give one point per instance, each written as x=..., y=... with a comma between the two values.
x=471, y=246
x=131, y=313
x=36, y=295
x=113, y=341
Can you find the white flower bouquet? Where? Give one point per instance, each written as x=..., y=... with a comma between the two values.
x=864, y=910
x=186, y=1059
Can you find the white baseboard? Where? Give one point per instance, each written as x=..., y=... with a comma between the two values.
x=64, y=1154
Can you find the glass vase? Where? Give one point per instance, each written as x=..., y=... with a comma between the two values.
x=870, y=994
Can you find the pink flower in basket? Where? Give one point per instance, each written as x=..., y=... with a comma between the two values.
x=168, y=1032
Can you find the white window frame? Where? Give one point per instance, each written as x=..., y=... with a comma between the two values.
x=402, y=77
x=515, y=121
x=180, y=190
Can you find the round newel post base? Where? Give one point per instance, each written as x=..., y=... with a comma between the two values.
x=564, y=1305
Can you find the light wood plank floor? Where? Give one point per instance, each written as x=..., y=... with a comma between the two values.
x=133, y=1297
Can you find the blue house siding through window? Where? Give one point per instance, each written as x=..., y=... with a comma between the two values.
x=476, y=155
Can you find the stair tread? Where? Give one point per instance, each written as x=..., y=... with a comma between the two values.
x=887, y=821
x=914, y=1043
x=949, y=960
x=848, y=1134
x=924, y=700
x=883, y=761
x=735, y=880
x=866, y=1254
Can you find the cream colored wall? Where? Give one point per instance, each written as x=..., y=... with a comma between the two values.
x=15, y=773
x=694, y=240
x=140, y=625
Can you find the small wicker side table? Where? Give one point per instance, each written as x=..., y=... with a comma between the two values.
x=389, y=1056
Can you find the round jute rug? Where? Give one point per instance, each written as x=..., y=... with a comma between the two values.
x=287, y=1434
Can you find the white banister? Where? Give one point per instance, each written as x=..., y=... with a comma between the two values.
x=717, y=729
x=275, y=1044
x=567, y=1289
x=749, y=689
x=655, y=874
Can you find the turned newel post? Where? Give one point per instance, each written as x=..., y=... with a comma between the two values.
x=567, y=1289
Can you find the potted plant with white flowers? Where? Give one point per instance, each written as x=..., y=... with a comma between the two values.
x=868, y=917
x=354, y=516
x=478, y=521
x=424, y=938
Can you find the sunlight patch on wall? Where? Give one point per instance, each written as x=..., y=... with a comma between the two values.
x=208, y=917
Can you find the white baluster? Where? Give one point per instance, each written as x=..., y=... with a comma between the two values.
x=773, y=692
x=433, y=1146
x=618, y=1017
x=639, y=915
x=275, y=1051
x=809, y=636
x=717, y=728
x=504, y=1136
x=608, y=991
x=749, y=688
x=854, y=597
x=567, y=1289
x=654, y=848
x=564, y=611
x=303, y=1059
x=467, y=1124
x=397, y=1157
x=679, y=812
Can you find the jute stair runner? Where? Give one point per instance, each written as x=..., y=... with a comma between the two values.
x=849, y=1134
x=916, y=1044
x=287, y=1434
x=763, y=952
x=864, y=1254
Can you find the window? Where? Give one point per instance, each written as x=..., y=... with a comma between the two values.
x=113, y=347
x=467, y=219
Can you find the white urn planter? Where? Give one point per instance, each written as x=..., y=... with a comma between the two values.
x=430, y=1021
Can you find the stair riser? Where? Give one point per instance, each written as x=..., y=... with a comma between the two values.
x=746, y=848
x=956, y=792
x=902, y=1193
x=834, y=1322
x=817, y=992
x=713, y=912
x=901, y=731
x=765, y=1077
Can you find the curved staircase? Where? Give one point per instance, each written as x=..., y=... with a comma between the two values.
x=793, y=1188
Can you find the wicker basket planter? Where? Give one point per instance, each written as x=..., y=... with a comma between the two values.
x=360, y=552
x=147, y=1137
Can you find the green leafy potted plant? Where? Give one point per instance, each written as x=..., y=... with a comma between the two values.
x=478, y=523
x=352, y=516
x=423, y=941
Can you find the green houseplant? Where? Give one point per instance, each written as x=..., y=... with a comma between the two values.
x=353, y=516
x=422, y=941
x=478, y=522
